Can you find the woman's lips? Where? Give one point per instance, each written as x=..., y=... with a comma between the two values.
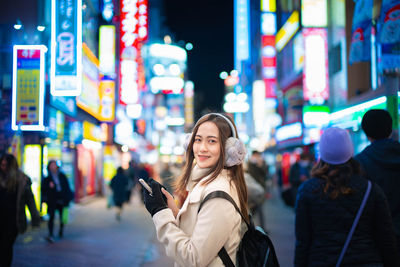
x=203, y=157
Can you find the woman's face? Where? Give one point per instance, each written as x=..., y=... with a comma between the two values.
x=206, y=146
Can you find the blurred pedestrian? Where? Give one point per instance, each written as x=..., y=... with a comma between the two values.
x=300, y=172
x=15, y=193
x=258, y=170
x=167, y=178
x=194, y=236
x=119, y=185
x=132, y=174
x=381, y=160
x=57, y=193
x=328, y=204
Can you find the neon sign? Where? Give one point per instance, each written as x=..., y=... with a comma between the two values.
x=28, y=87
x=66, y=47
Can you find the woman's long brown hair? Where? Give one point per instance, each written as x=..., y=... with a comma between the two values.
x=336, y=177
x=235, y=172
x=9, y=177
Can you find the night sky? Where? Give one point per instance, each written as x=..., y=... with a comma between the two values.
x=208, y=25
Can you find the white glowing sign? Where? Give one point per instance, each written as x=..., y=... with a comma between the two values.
x=313, y=13
x=268, y=23
x=168, y=51
x=28, y=87
x=107, y=50
x=315, y=74
x=288, y=131
x=66, y=48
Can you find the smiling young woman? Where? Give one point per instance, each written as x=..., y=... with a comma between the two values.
x=214, y=157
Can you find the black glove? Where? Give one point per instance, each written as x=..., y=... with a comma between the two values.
x=157, y=201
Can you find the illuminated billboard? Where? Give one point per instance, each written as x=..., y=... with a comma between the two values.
x=107, y=50
x=287, y=31
x=314, y=13
x=28, y=87
x=66, y=47
x=241, y=32
x=128, y=71
x=315, y=74
x=89, y=100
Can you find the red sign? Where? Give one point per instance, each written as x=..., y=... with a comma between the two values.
x=143, y=20
x=269, y=65
x=128, y=74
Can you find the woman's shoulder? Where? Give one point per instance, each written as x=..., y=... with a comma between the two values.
x=221, y=182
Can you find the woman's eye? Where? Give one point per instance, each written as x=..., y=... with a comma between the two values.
x=197, y=139
x=212, y=141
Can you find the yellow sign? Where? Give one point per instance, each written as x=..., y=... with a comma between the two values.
x=287, y=31
x=107, y=96
x=91, y=131
x=268, y=5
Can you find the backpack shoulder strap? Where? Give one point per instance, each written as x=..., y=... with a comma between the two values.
x=221, y=194
x=223, y=254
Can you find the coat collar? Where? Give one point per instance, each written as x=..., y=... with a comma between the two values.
x=196, y=190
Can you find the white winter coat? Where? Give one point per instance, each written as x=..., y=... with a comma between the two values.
x=194, y=239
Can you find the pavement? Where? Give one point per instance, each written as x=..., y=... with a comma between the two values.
x=93, y=237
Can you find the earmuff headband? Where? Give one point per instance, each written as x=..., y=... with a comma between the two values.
x=226, y=119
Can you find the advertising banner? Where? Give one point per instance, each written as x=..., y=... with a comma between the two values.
x=107, y=94
x=360, y=48
x=389, y=35
x=28, y=87
x=89, y=100
x=66, y=104
x=66, y=47
x=107, y=50
x=128, y=88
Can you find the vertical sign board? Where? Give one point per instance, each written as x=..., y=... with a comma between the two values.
x=128, y=88
x=241, y=32
x=143, y=20
x=315, y=74
x=107, y=50
x=66, y=47
x=107, y=95
x=90, y=98
x=28, y=87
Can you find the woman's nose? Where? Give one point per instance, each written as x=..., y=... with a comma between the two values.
x=203, y=146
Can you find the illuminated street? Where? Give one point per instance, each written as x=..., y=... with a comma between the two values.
x=97, y=95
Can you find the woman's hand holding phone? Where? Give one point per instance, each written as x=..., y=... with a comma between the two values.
x=171, y=202
x=156, y=201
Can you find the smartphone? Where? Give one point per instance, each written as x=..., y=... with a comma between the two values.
x=145, y=185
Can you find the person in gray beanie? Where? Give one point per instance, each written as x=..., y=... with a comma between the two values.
x=327, y=204
x=381, y=160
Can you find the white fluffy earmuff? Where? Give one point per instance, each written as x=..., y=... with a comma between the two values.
x=235, y=152
x=188, y=136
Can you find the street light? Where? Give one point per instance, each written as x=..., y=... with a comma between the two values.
x=40, y=28
x=18, y=25
x=223, y=75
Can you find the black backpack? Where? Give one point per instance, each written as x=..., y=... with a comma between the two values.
x=255, y=248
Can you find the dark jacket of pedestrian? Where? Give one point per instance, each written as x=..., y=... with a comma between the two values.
x=119, y=184
x=322, y=226
x=257, y=168
x=381, y=160
x=15, y=194
x=381, y=163
x=53, y=195
x=327, y=205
